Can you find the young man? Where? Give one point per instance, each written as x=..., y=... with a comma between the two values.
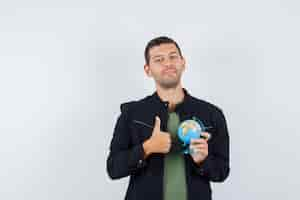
x=145, y=145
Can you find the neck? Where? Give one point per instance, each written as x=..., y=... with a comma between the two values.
x=172, y=95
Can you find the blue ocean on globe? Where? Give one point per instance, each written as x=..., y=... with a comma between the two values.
x=189, y=129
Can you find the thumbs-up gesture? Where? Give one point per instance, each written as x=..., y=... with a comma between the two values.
x=159, y=142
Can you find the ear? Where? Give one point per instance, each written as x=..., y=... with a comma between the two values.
x=147, y=70
x=183, y=63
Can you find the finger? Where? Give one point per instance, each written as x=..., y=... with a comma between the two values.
x=169, y=140
x=198, y=141
x=166, y=135
x=199, y=151
x=200, y=146
x=206, y=135
x=156, y=125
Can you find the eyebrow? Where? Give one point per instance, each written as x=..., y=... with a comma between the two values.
x=156, y=56
x=173, y=52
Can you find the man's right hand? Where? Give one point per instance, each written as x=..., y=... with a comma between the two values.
x=159, y=142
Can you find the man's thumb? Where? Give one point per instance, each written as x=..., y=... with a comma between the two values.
x=157, y=124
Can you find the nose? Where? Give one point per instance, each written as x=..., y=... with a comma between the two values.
x=167, y=62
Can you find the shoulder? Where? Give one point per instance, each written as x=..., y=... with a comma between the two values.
x=215, y=113
x=133, y=105
x=203, y=104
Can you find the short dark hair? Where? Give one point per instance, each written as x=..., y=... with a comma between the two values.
x=156, y=42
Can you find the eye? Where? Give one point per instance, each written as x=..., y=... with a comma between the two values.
x=158, y=60
x=174, y=57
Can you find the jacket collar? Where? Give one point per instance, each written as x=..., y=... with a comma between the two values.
x=158, y=100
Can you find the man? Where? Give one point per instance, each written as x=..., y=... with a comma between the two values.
x=145, y=145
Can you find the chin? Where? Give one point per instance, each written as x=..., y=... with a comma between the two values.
x=167, y=85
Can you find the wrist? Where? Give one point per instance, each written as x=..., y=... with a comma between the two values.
x=147, y=148
x=198, y=160
x=201, y=162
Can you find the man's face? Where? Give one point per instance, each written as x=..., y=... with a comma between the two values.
x=165, y=65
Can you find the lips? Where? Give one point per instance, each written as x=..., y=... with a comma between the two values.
x=170, y=70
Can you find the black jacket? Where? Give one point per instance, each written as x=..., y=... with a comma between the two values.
x=146, y=176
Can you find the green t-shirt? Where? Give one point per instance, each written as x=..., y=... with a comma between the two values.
x=174, y=166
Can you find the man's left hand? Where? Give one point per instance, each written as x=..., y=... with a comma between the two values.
x=199, y=148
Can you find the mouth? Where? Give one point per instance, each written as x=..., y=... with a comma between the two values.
x=170, y=71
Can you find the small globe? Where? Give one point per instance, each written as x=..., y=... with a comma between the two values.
x=189, y=129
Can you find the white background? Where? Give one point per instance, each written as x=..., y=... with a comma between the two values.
x=66, y=66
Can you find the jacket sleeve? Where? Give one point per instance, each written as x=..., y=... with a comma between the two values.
x=216, y=165
x=124, y=159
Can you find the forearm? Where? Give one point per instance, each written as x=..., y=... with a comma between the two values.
x=123, y=163
x=214, y=168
